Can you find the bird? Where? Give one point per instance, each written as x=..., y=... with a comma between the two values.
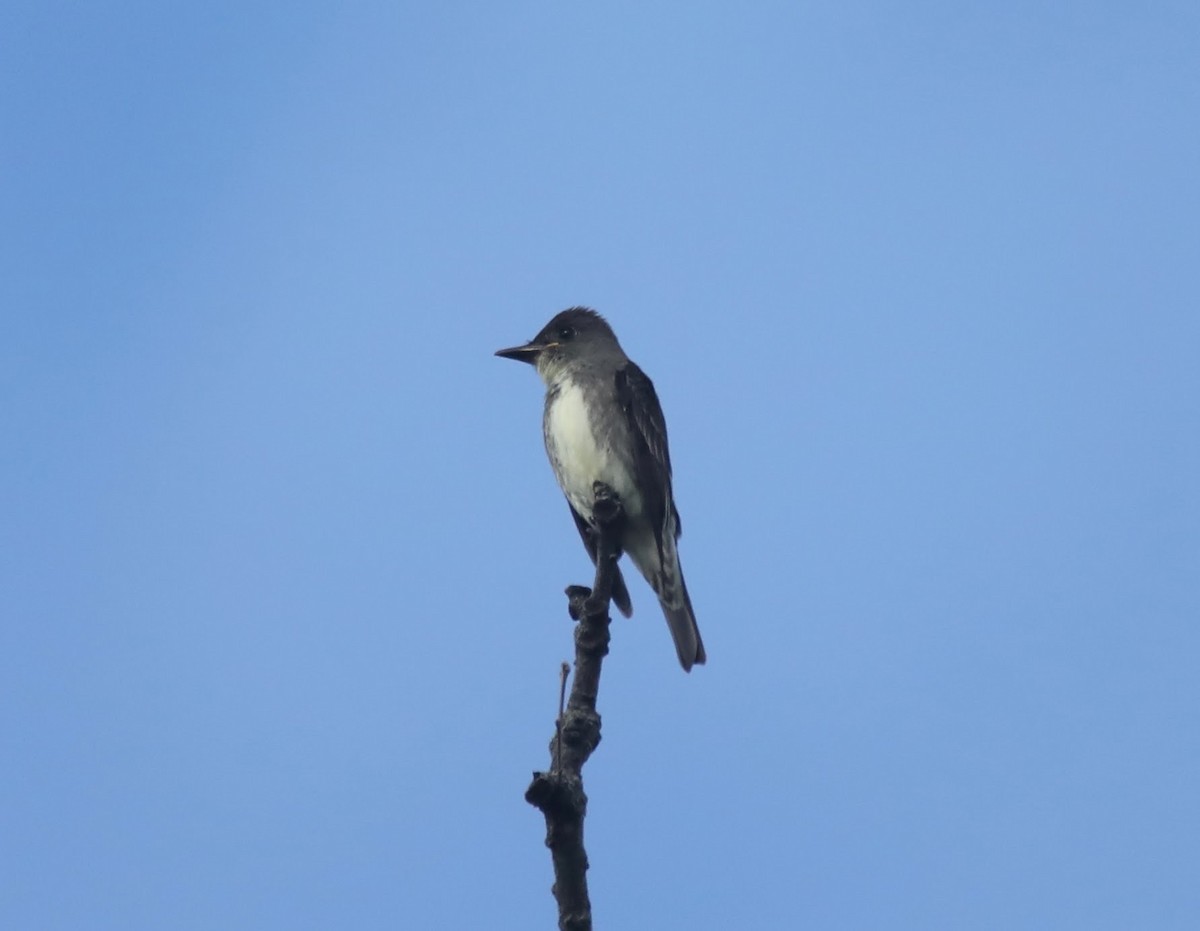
x=602, y=422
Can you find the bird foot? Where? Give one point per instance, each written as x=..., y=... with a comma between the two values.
x=606, y=504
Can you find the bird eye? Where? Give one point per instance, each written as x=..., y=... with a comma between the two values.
x=566, y=332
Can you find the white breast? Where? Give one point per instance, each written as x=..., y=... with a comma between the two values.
x=575, y=446
x=582, y=459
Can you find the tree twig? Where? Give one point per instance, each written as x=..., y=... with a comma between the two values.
x=563, y=672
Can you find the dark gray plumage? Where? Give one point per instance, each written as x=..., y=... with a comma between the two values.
x=603, y=422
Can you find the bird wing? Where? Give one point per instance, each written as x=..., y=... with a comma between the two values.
x=652, y=458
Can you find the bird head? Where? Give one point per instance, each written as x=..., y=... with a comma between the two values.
x=563, y=340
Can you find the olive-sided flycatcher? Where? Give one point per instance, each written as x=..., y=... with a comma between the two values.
x=603, y=423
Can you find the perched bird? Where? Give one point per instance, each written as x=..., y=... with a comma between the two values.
x=603, y=423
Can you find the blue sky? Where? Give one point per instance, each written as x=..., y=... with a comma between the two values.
x=282, y=559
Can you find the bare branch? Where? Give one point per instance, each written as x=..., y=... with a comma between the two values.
x=559, y=794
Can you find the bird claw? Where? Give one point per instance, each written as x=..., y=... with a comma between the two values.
x=606, y=503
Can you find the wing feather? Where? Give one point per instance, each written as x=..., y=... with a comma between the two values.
x=652, y=457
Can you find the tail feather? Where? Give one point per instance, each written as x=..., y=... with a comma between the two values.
x=682, y=622
x=672, y=592
x=658, y=562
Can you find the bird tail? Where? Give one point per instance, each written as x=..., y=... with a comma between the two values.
x=667, y=582
x=682, y=622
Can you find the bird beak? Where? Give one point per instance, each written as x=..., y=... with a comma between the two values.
x=527, y=353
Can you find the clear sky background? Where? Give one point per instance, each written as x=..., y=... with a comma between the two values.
x=282, y=559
